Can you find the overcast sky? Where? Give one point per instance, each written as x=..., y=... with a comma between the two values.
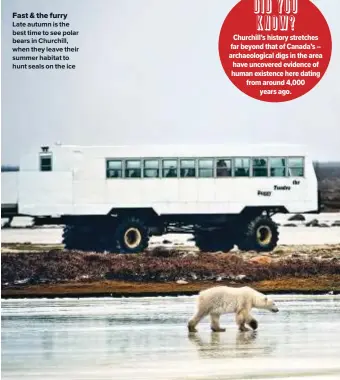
x=148, y=71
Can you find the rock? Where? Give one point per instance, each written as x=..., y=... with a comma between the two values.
x=323, y=225
x=299, y=255
x=44, y=281
x=327, y=257
x=330, y=293
x=218, y=253
x=161, y=251
x=289, y=225
x=181, y=282
x=193, y=276
x=239, y=277
x=297, y=217
x=208, y=278
x=336, y=223
x=312, y=223
x=6, y=223
x=190, y=254
x=223, y=277
x=263, y=260
x=22, y=282
x=166, y=241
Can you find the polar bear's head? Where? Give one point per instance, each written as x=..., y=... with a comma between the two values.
x=266, y=303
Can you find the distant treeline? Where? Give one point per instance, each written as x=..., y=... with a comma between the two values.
x=328, y=175
x=327, y=170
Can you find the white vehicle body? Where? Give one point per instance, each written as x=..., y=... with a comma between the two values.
x=78, y=183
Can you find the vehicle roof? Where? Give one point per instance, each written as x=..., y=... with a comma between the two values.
x=187, y=150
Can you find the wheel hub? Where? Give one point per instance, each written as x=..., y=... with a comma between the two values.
x=264, y=235
x=132, y=238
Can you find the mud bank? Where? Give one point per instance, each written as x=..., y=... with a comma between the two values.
x=116, y=289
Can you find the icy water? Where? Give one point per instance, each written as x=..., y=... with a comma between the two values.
x=146, y=338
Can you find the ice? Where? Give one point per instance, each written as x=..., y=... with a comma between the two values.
x=146, y=338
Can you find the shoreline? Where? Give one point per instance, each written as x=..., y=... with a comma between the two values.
x=117, y=289
x=48, y=271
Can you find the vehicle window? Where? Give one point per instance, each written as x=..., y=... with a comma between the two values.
x=223, y=167
x=114, y=169
x=242, y=166
x=151, y=169
x=277, y=166
x=205, y=168
x=169, y=168
x=295, y=167
x=133, y=169
x=188, y=168
x=260, y=167
x=45, y=163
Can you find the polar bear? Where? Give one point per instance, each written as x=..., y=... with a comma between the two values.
x=220, y=300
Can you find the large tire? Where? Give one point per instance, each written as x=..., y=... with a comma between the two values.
x=213, y=241
x=87, y=238
x=76, y=237
x=131, y=236
x=261, y=235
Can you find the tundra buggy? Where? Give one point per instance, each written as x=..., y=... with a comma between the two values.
x=114, y=198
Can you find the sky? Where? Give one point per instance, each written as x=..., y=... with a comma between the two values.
x=148, y=72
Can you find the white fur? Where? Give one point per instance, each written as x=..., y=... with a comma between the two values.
x=224, y=299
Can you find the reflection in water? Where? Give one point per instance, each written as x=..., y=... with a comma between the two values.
x=147, y=338
x=221, y=345
x=47, y=344
x=243, y=338
x=204, y=348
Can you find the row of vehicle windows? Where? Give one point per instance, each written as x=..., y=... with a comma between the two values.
x=205, y=167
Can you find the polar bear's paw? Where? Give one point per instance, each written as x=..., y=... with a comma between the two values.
x=217, y=329
x=191, y=327
x=253, y=324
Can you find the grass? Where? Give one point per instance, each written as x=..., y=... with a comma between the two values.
x=29, y=270
x=157, y=265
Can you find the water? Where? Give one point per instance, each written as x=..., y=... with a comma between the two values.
x=146, y=338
